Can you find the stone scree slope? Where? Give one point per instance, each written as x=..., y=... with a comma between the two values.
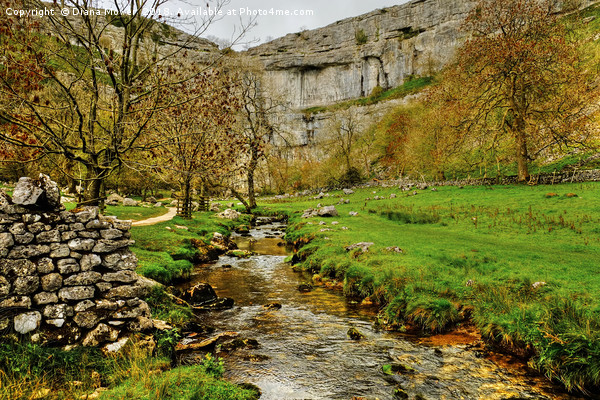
x=67, y=276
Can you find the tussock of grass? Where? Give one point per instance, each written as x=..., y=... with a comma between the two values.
x=29, y=371
x=164, y=308
x=183, y=383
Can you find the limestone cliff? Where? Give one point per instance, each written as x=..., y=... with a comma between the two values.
x=349, y=58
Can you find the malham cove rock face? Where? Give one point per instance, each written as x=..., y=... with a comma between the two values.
x=349, y=58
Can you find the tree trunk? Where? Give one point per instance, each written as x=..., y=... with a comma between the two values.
x=71, y=182
x=240, y=197
x=250, y=180
x=521, y=151
x=92, y=190
x=186, y=207
x=251, y=198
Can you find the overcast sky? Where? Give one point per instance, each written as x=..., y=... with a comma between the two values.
x=317, y=13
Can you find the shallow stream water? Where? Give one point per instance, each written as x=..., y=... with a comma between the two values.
x=304, y=351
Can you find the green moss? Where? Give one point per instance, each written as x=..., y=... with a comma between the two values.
x=361, y=37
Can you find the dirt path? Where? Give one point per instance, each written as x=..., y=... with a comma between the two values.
x=151, y=221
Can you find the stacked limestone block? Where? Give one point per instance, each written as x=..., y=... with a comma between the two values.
x=67, y=275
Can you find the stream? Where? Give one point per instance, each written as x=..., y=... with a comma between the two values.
x=304, y=351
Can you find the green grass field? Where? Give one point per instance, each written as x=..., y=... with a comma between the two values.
x=133, y=213
x=166, y=250
x=473, y=254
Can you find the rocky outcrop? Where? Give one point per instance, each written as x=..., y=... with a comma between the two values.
x=67, y=275
x=350, y=58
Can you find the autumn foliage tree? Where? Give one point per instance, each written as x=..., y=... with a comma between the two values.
x=198, y=145
x=519, y=78
x=85, y=88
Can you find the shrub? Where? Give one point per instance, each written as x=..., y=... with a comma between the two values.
x=361, y=37
x=377, y=91
x=351, y=177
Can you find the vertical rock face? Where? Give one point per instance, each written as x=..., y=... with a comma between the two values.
x=69, y=275
x=349, y=58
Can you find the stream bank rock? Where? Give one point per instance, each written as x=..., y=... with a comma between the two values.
x=229, y=214
x=199, y=294
x=202, y=297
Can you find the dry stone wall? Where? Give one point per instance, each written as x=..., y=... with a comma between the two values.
x=66, y=276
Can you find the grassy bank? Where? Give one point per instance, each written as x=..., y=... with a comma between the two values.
x=135, y=213
x=167, y=250
x=520, y=262
x=29, y=371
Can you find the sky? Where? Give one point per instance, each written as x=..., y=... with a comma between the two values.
x=306, y=14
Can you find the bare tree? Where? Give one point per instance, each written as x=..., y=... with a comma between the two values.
x=87, y=88
x=257, y=125
x=343, y=131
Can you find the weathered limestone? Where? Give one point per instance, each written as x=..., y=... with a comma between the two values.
x=349, y=58
x=68, y=275
x=27, y=322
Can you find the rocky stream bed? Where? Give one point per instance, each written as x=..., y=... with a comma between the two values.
x=296, y=344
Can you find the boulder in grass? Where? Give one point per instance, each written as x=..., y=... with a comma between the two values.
x=128, y=202
x=363, y=246
x=309, y=213
x=537, y=285
x=113, y=199
x=229, y=214
x=328, y=211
